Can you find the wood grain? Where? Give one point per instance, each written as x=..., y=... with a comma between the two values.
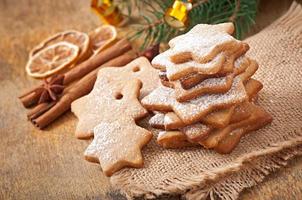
x=49, y=164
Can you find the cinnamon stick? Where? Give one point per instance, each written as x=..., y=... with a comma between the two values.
x=39, y=110
x=79, y=89
x=104, y=56
x=31, y=97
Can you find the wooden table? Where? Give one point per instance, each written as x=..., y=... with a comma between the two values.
x=49, y=164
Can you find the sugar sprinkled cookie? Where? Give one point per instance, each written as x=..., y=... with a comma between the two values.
x=176, y=71
x=217, y=136
x=202, y=43
x=117, y=139
x=163, y=99
x=173, y=140
x=213, y=85
x=85, y=109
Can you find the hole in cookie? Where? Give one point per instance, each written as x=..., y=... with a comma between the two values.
x=118, y=96
x=136, y=69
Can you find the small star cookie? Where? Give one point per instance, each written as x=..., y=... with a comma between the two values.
x=202, y=43
x=117, y=139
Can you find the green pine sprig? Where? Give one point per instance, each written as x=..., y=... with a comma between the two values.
x=153, y=29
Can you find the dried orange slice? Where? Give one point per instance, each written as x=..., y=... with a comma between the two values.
x=77, y=38
x=102, y=37
x=52, y=59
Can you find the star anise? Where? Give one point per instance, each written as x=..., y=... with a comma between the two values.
x=51, y=88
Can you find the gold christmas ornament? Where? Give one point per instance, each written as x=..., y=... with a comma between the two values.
x=107, y=11
x=177, y=15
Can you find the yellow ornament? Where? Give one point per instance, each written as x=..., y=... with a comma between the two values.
x=107, y=11
x=177, y=15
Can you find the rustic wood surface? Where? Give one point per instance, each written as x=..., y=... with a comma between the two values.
x=49, y=164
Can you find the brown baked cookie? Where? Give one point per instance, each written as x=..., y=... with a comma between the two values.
x=157, y=120
x=202, y=43
x=88, y=112
x=163, y=99
x=173, y=140
x=217, y=119
x=193, y=79
x=223, y=27
x=208, y=86
x=117, y=139
x=197, y=132
x=218, y=135
x=213, y=85
x=252, y=87
x=177, y=71
x=249, y=72
x=232, y=139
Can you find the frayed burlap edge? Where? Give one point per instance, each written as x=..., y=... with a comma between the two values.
x=223, y=190
x=203, y=186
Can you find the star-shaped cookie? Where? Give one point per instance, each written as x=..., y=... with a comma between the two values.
x=87, y=110
x=118, y=140
x=163, y=99
x=202, y=43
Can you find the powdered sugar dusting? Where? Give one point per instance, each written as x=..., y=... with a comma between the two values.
x=116, y=142
x=168, y=119
x=157, y=119
x=196, y=109
x=176, y=71
x=196, y=130
x=202, y=41
x=211, y=82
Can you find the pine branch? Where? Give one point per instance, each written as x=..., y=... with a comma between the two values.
x=241, y=12
x=154, y=28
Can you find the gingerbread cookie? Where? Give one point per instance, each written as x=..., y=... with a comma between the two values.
x=172, y=121
x=223, y=27
x=232, y=139
x=163, y=99
x=197, y=132
x=208, y=86
x=217, y=119
x=157, y=121
x=252, y=87
x=213, y=85
x=250, y=71
x=194, y=79
x=241, y=64
x=176, y=71
x=139, y=68
x=117, y=139
x=218, y=135
x=222, y=63
x=231, y=57
x=241, y=112
x=173, y=140
x=202, y=43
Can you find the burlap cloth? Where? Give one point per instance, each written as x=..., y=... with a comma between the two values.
x=197, y=173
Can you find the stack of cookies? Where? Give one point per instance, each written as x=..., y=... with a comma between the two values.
x=207, y=96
